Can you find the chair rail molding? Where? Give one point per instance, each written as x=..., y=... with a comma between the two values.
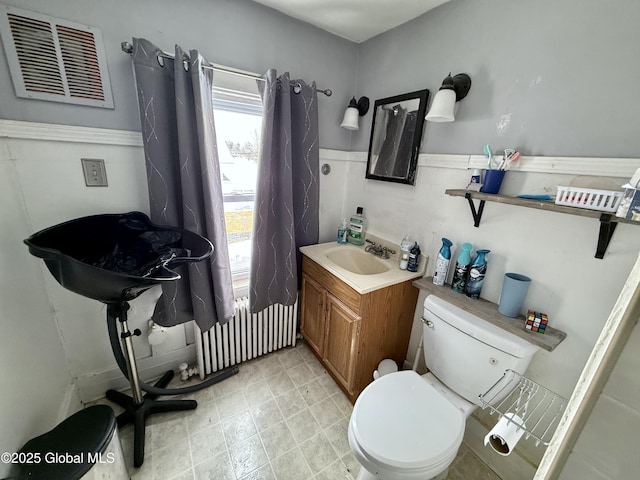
x=605, y=167
x=14, y=129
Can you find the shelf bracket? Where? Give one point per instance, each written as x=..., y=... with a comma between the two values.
x=477, y=214
x=608, y=221
x=607, y=227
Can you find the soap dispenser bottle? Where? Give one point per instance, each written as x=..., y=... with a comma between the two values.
x=476, y=274
x=357, y=228
x=462, y=269
x=343, y=231
x=442, y=262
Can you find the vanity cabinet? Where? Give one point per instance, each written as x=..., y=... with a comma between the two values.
x=313, y=308
x=341, y=341
x=351, y=333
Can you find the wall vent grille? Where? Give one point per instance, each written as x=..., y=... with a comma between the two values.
x=55, y=60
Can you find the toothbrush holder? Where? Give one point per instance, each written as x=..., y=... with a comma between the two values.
x=492, y=181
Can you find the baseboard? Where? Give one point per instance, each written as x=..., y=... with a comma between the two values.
x=71, y=402
x=512, y=467
x=92, y=386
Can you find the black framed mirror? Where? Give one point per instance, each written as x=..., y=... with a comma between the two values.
x=396, y=134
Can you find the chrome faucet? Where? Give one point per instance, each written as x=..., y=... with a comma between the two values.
x=378, y=250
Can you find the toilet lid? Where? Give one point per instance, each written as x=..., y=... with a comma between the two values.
x=404, y=422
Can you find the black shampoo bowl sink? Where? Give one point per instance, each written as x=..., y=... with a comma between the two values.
x=113, y=258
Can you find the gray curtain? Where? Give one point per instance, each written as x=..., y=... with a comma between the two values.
x=287, y=193
x=183, y=175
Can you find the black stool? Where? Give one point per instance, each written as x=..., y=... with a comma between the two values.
x=71, y=449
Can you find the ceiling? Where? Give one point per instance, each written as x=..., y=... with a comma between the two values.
x=355, y=20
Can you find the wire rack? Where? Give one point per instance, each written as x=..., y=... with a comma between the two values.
x=539, y=408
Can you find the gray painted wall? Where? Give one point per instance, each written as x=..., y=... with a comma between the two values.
x=236, y=33
x=564, y=74
x=557, y=81
x=538, y=84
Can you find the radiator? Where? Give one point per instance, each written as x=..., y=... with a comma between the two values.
x=246, y=336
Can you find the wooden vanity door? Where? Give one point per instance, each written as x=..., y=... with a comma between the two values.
x=341, y=341
x=312, y=322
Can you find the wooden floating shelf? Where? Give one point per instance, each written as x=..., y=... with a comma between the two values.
x=488, y=311
x=608, y=221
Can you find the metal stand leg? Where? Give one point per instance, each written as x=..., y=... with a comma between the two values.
x=138, y=407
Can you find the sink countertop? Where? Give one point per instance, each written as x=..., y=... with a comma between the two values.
x=362, y=283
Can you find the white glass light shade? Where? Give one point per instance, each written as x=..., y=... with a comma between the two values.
x=442, y=106
x=350, y=120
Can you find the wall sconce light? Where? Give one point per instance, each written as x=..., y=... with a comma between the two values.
x=354, y=110
x=453, y=90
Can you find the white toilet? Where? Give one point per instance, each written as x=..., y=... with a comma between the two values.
x=409, y=427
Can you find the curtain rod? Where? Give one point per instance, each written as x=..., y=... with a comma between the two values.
x=128, y=48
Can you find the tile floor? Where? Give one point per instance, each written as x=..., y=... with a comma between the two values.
x=282, y=417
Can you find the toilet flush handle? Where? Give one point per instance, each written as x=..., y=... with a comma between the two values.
x=428, y=323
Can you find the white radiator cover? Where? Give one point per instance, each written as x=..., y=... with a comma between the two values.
x=246, y=336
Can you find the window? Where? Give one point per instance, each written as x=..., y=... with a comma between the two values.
x=238, y=117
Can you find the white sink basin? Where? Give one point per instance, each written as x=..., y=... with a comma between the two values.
x=361, y=270
x=357, y=261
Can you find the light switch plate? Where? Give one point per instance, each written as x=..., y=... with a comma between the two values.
x=95, y=174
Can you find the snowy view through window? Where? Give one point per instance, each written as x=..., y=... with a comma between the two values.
x=238, y=138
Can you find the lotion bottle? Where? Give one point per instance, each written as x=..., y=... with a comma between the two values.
x=414, y=258
x=442, y=262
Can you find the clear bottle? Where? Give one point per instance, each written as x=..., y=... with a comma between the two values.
x=357, y=228
x=462, y=269
x=343, y=231
x=405, y=247
x=476, y=274
x=442, y=262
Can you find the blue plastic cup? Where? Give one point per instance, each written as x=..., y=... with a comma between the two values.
x=514, y=291
x=492, y=181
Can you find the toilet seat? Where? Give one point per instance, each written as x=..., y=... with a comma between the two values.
x=401, y=422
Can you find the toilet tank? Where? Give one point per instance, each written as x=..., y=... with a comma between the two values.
x=468, y=354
